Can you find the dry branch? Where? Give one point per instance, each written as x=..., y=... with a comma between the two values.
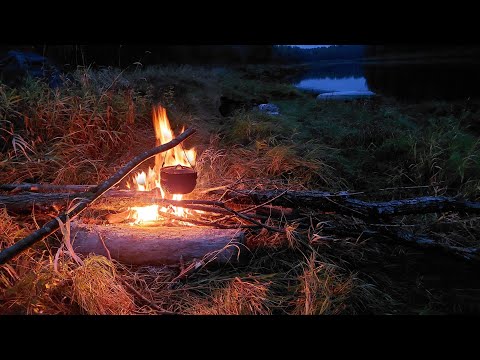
x=344, y=204
x=45, y=187
x=51, y=226
x=424, y=242
x=111, y=200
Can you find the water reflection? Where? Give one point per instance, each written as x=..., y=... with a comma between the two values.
x=324, y=78
x=327, y=84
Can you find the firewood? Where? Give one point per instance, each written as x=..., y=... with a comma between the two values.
x=143, y=245
x=345, y=204
x=45, y=188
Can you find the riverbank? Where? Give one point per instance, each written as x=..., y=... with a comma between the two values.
x=381, y=149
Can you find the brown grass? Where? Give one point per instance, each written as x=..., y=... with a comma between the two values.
x=97, y=291
x=73, y=135
x=322, y=290
x=10, y=231
x=237, y=297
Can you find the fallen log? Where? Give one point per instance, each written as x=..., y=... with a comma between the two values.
x=116, y=200
x=112, y=199
x=45, y=187
x=345, y=204
x=24, y=202
x=424, y=242
x=142, y=245
x=53, y=225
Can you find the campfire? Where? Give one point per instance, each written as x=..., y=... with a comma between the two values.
x=177, y=160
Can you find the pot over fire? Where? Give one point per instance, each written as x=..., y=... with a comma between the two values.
x=178, y=179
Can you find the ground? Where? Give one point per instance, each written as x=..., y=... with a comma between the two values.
x=381, y=148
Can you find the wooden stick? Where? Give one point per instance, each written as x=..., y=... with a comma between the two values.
x=422, y=241
x=112, y=200
x=344, y=204
x=45, y=187
x=118, y=198
x=245, y=217
x=51, y=226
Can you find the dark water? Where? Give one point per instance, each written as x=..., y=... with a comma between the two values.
x=329, y=78
x=406, y=81
x=330, y=84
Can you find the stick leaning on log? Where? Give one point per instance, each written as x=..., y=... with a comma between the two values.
x=84, y=201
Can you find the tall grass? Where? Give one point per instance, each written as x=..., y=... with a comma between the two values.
x=69, y=135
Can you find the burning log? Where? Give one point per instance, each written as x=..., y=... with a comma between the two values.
x=53, y=225
x=117, y=200
x=143, y=245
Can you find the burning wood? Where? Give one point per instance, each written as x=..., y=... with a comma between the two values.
x=53, y=225
x=172, y=167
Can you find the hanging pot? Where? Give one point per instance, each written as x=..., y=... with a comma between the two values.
x=178, y=179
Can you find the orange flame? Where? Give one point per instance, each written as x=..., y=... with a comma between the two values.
x=164, y=134
x=151, y=180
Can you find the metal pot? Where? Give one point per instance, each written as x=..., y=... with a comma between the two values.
x=178, y=179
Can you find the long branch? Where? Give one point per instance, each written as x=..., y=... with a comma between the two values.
x=45, y=187
x=345, y=204
x=51, y=226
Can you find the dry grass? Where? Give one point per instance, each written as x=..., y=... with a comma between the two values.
x=38, y=290
x=97, y=291
x=237, y=297
x=265, y=165
x=322, y=290
x=73, y=135
x=10, y=231
x=91, y=288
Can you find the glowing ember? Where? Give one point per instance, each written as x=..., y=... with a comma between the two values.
x=148, y=181
x=146, y=213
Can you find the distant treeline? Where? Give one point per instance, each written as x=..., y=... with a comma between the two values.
x=124, y=55
x=147, y=54
x=293, y=54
